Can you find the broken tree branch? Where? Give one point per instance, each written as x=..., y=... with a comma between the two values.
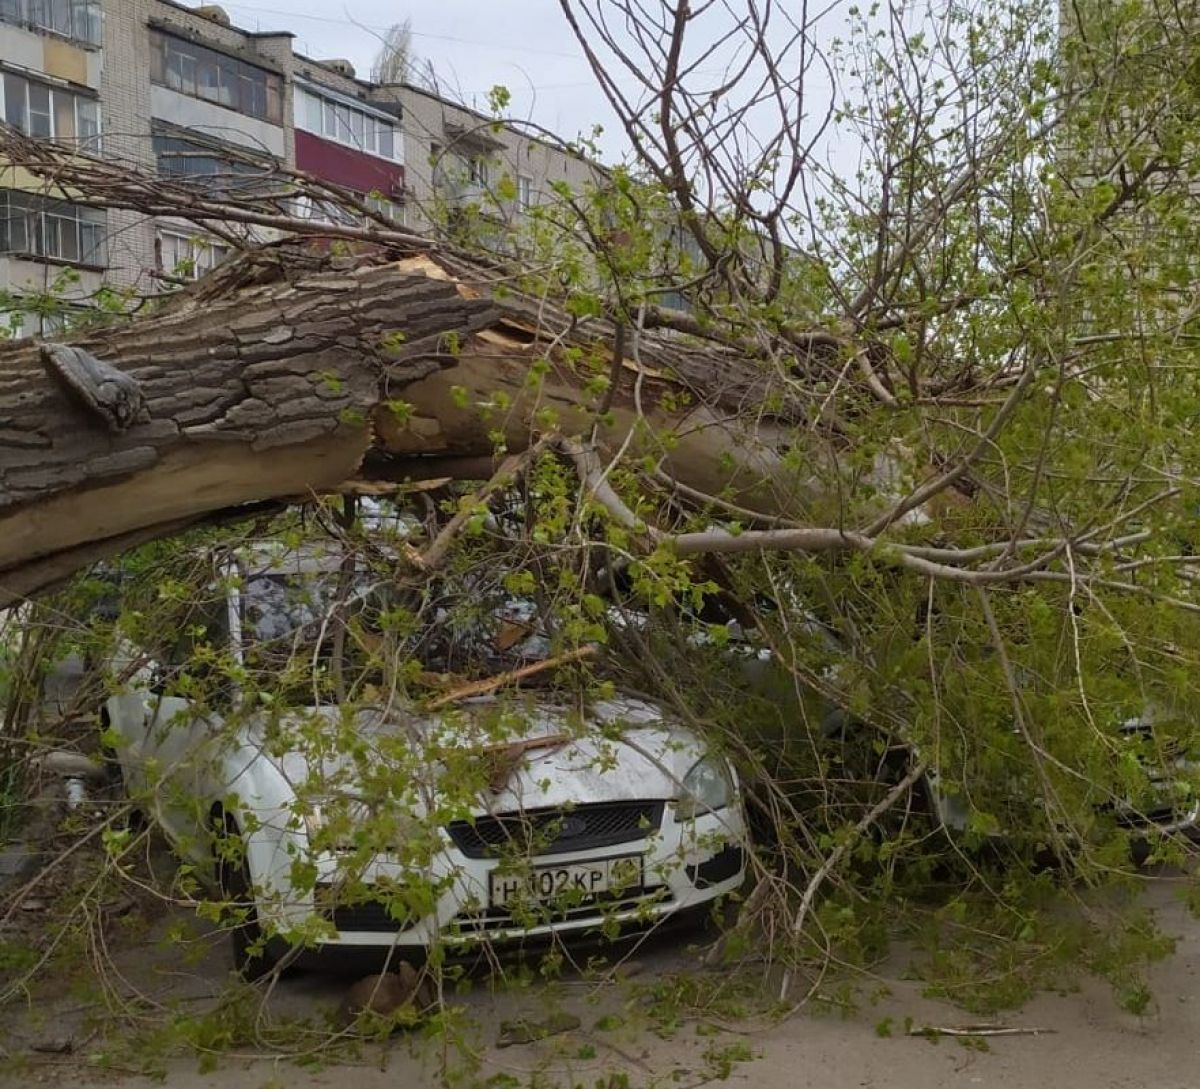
x=505, y=477
x=502, y=680
x=833, y=859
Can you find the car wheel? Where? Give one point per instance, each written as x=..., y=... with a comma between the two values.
x=251, y=958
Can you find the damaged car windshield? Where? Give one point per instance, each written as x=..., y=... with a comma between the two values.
x=276, y=606
x=291, y=622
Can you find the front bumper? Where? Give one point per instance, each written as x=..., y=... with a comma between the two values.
x=686, y=865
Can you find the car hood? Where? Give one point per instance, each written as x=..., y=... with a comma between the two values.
x=621, y=749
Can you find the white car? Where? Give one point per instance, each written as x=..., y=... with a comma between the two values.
x=383, y=827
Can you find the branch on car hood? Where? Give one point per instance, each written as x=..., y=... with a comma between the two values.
x=505, y=758
x=502, y=680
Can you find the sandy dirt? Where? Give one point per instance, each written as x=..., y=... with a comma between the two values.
x=1086, y=1040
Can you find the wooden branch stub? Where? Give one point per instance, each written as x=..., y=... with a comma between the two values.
x=102, y=389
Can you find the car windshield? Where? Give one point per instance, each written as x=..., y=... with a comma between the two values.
x=294, y=621
x=276, y=606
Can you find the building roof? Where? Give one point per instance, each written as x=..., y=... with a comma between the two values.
x=198, y=13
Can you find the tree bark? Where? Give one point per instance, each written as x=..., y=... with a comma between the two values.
x=276, y=377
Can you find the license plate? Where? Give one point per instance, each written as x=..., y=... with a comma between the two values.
x=571, y=880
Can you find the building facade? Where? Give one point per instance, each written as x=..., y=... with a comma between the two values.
x=51, y=74
x=184, y=93
x=459, y=158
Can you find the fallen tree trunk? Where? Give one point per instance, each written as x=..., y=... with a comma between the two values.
x=280, y=376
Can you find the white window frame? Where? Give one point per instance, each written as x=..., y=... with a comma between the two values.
x=391, y=210
x=334, y=118
x=193, y=158
x=194, y=255
x=477, y=171
x=79, y=234
x=84, y=108
x=524, y=192
x=30, y=324
x=319, y=211
x=80, y=20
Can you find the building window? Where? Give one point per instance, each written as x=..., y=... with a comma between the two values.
x=196, y=70
x=39, y=323
x=50, y=113
x=477, y=171
x=188, y=256
x=330, y=211
x=34, y=226
x=218, y=171
x=524, y=192
x=382, y=206
x=78, y=20
x=324, y=211
x=361, y=129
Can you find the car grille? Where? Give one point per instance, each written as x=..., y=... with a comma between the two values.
x=556, y=831
x=371, y=916
x=486, y=920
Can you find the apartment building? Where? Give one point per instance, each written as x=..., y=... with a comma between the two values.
x=51, y=71
x=183, y=92
x=147, y=82
x=349, y=132
x=459, y=158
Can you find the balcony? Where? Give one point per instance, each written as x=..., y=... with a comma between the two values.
x=78, y=21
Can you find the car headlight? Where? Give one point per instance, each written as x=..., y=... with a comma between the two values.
x=706, y=787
